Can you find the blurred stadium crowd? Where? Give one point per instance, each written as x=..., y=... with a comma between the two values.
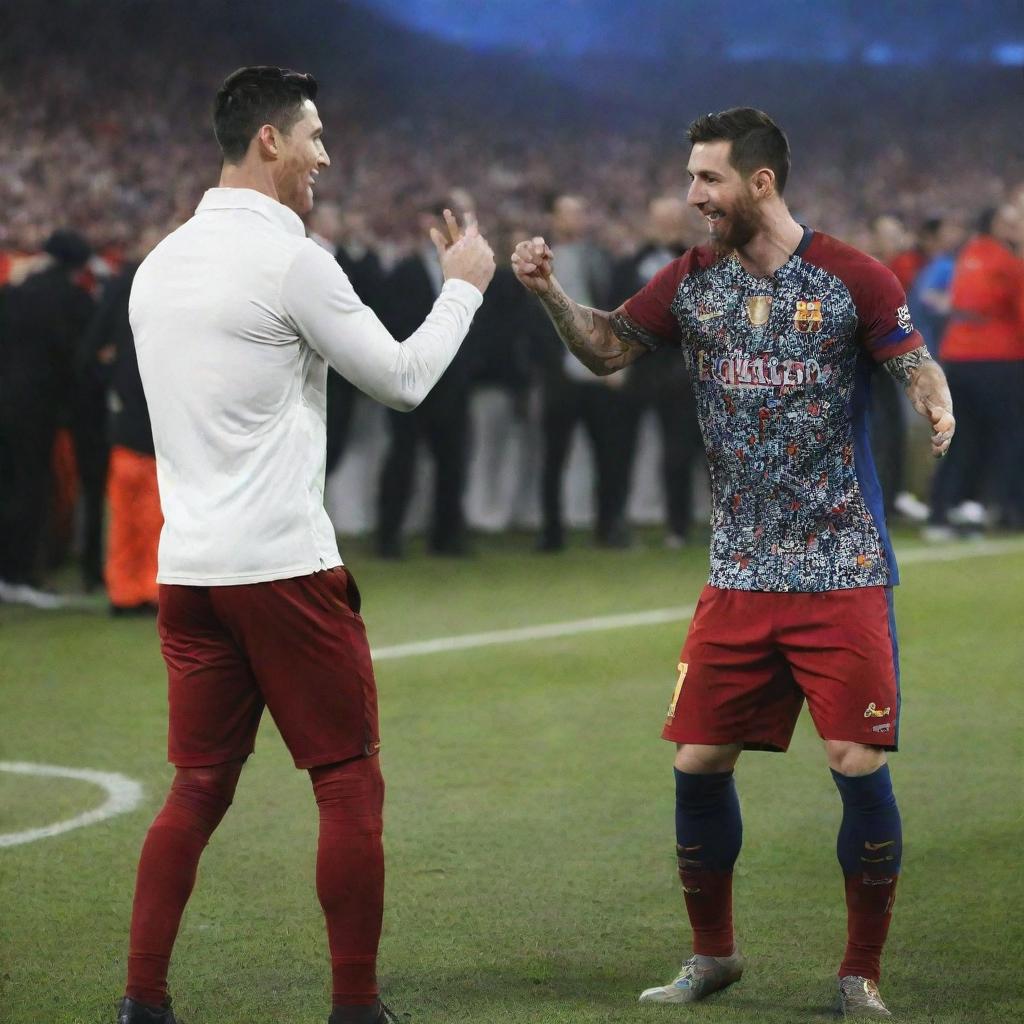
x=100, y=173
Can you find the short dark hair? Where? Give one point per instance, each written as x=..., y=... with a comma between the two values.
x=757, y=141
x=254, y=96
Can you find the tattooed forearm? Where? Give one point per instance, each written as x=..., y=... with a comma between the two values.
x=904, y=367
x=579, y=327
x=573, y=322
x=593, y=336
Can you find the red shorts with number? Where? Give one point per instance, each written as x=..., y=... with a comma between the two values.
x=751, y=657
x=296, y=646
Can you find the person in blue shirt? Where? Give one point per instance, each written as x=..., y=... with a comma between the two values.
x=940, y=238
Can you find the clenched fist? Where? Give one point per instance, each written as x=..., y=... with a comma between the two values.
x=532, y=263
x=464, y=254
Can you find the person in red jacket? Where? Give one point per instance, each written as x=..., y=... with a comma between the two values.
x=982, y=352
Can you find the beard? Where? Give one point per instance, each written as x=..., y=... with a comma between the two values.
x=741, y=224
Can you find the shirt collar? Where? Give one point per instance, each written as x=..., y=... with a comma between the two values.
x=250, y=199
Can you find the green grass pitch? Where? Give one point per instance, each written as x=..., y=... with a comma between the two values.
x=529, y=818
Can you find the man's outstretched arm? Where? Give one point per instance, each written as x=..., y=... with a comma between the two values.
x=602, y=342
x=926, y=387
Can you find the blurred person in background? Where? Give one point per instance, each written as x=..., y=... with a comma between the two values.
x=896, y=246
x=90, y=435
x=133, y=498
x=440, y=422
x=346, y=236
x=660, y=382
x=235, y=316
x=892, y=244
x=929, y=298
x=982, y=351
x=42, y=321
x=572, y=394
x=499, y=396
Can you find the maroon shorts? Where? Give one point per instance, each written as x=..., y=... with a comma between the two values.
x=297, y=646
x=751, y=657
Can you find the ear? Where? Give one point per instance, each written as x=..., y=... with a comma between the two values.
x=763, y=182
x=267, y=141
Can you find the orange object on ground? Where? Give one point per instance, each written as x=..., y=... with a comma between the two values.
x=135, y=524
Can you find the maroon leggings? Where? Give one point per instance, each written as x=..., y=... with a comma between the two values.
x=349, y=872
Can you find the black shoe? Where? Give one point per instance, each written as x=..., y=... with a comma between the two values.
x=391, y=550
x=615, y=536
x=376, y=1013
x=147, y=609
x=131, y=1012
x=550, y=542
x=453, y=548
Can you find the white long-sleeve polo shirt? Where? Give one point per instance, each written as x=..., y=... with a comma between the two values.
x=236, y=316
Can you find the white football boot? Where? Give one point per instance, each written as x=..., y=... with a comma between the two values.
x=859, y=998
x=698, y=977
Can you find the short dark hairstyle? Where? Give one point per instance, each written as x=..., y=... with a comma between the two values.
x=757, y=141
x=252, y=97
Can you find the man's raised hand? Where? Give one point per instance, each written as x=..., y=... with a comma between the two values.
x=464, y=254
x=532, y=263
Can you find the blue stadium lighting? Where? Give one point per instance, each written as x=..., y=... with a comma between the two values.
x=1009, y=54
x=879, y=53
x=931, y=33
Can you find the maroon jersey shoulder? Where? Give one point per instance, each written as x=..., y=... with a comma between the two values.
x=884, y=326
x=650, y=310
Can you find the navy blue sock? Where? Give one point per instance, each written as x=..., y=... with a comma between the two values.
x=708, y=824
x=871, y=835
x=709, y=833
x=870, y=847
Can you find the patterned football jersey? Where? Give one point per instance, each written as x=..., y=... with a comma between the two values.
x=781, y=368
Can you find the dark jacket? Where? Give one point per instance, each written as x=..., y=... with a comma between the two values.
x=128, y=422
x=664, y=369
x=43, y=320
x=408, y=298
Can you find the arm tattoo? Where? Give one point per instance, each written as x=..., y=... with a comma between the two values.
x=601, y=343
x=630, y=331
x=905, y=366
x=572, y=321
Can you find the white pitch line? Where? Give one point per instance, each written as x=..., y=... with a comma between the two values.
x=547, y=631
x=123, y=795
x=656, y=616
x=964, y=550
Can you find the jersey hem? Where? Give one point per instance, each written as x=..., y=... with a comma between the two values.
x=802, y=589
x=240, y=580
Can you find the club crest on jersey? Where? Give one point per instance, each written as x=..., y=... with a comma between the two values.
x=871, y=711
x=759, y=308
x=807, y=319
x=903, y=319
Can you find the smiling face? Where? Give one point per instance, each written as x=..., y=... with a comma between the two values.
x=300, y=158
x=725, y=198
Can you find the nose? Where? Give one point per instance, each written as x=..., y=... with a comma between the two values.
x=697, y=194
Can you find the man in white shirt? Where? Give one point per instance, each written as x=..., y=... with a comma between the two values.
x=236, y=316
